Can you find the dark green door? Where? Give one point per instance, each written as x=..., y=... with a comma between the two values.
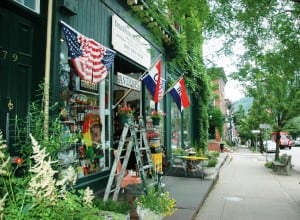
x=16, y=46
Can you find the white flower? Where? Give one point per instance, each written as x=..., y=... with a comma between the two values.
x=2, y=203
x=88, y=196
x=70, y=177
x=63, y=192
x=3, y=172
x=42, y=184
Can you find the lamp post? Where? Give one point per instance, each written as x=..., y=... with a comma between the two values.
x=256, y=132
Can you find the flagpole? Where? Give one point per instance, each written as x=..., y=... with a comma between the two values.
x=129, y=90
x=171, y=87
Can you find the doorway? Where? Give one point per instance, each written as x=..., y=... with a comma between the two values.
x=18, y=48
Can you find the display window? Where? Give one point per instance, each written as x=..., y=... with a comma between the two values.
x=85, y=117
x=186, y=128
x=175, y=127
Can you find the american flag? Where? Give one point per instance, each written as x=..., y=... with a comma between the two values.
x=90, y=59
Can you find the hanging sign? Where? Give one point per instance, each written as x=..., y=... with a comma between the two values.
x=129, y=42
x=86, y=86
x=128, y=82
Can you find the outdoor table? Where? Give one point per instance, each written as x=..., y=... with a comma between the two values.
x=192, y=163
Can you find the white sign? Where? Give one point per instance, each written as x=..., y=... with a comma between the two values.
x=128, y=82
x=255, y=131
x=130, y=43
x=264, y=126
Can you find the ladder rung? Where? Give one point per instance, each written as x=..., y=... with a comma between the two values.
x=147, y=166
x=113, y=175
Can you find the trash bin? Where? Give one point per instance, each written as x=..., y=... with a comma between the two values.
x=222, y=147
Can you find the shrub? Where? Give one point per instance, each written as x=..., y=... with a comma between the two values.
x=269, y=164
x=113, y=206
x=38, y=195
x=212, y=162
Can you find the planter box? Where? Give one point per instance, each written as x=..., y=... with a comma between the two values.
x=147, y=214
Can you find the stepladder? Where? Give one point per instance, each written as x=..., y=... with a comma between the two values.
x=133, y=138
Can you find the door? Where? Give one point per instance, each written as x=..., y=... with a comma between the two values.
x=16, y=49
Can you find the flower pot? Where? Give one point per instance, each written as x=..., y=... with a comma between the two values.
x=155, y=121
x=147, y=214
x=125, y=119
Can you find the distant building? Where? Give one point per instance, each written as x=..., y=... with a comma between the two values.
x=219, y=81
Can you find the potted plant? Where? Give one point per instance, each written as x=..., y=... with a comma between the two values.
x=156, y=116
x=155, y=204
x=125, y=112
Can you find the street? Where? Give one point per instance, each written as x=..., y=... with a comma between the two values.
x=247, y=190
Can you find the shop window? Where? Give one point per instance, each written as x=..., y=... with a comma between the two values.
x=175, y=127
x=186, y=128
x=85, y=117
x=33, y=5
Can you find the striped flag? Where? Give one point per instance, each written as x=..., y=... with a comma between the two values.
x=90, y=59
x=154, y=82
x=179, y=95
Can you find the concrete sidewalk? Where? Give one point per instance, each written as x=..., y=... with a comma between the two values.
x=190, y=193
x=247, y=190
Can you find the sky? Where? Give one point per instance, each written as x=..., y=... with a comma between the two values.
x=233, y=90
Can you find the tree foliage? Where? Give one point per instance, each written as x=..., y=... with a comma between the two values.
x=269, y=69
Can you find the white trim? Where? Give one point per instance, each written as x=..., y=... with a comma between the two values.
x=36, y=5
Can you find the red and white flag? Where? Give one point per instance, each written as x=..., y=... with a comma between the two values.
x=154, y=82
x=179, y=95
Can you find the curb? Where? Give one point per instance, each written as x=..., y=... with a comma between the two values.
x=214, y=178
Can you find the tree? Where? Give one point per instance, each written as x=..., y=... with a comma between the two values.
x=269, y=69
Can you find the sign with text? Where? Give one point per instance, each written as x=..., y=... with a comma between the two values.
x=264, y=126
x=86, y=86
x=128, y=82
x=129, y=42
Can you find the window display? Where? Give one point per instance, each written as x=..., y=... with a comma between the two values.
x=85, y=119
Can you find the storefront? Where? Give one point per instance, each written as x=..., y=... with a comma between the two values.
x=88, y=106
x=91, y=108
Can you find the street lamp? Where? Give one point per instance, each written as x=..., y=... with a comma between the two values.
x=256, y=132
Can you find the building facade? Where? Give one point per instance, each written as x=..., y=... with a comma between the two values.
x=218, y=81
x=35, y=50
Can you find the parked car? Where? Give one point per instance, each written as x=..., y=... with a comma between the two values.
x=297, y=142
x=285, y=142
x=270, y=146
x=292, y=143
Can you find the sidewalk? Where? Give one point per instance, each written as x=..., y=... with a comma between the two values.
x=247, y=190
x=190, y=193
